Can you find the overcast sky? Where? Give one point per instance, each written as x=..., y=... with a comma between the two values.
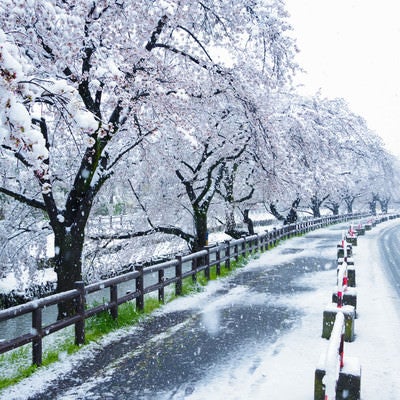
x=351, y=49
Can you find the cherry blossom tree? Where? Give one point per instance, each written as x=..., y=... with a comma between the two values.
x=85, y=85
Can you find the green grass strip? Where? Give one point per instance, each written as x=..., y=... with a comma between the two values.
x=101, y=324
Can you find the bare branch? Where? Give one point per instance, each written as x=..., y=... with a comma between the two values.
x=156, y=33
x=169, y=230
x=196, y=40
x=23, y=199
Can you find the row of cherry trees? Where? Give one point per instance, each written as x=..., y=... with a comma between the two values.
x=182, y=108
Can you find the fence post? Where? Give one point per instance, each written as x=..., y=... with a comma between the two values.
x=266, y=240
x=114, y=301
x=178, y=274
x=285, y=232
x=236, y=251
x=218, y=258
x=228, y=254
x=161, y=297
x=261, y=242
x=275, y=235
x=207, y=263
x=194, y=267
x=80, y=310
x=244, y=246
x=139, y=288
x=257, y=248
x=37, y=342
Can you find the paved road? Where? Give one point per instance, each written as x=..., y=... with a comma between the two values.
x=170, y=351
x=389, y=244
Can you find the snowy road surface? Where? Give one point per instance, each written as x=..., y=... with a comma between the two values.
x=389, y=245
x=254, y=335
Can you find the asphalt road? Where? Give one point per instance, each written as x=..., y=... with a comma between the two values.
x=389, y=245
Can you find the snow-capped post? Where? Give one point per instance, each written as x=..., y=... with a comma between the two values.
x=344, y=255
x=343, y=294
x=337, y=377
x=333, y=358
x=329, y=315
x=351, y=236
x=360, y=230
x=80, y=311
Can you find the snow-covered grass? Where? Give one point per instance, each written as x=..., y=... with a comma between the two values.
x=285, y=369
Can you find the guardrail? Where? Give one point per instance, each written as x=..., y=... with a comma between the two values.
x=170, y=272
x=335, y=377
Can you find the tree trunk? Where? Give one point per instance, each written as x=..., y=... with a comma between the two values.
x=334, y=207
x=372, y=207
x=349, y=203
x=291, y=218
x=201, y=230
x=248, y=221
x=274, y=211
x=68, y=260
x=230, y=223
x=384, y=205
x=231, y=227
x=372, y=203
x=315, y=207
x=316, y=203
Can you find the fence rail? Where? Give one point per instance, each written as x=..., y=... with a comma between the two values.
x=168, y=273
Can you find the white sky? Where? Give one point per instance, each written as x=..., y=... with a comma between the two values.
x=351, y=49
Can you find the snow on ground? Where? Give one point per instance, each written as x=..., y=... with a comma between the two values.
x=285, y=369
x=25, y=279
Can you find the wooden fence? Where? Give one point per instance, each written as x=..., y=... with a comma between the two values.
x=169, y=272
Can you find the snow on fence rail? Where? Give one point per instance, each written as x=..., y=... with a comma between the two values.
x=143, y=282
